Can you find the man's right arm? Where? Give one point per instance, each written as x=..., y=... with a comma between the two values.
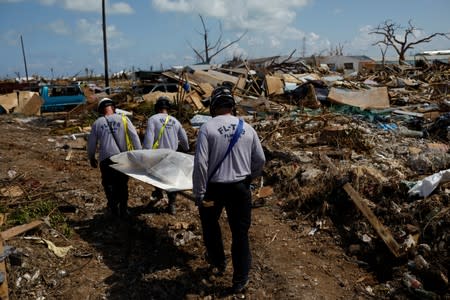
x=258, y=157
x=182, y=136
x=92, y=146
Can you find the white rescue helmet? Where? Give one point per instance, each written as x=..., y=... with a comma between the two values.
x=102, y=104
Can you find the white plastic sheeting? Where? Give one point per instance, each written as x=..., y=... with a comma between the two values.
x=163, y=168
x=427, y=185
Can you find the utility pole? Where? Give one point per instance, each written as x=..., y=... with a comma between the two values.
x=105, y=51
x=24, y=59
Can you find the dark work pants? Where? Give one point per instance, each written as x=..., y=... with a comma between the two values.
x=236, y=198
x=115, y=184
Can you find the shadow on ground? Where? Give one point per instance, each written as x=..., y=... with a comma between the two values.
x=145, y=262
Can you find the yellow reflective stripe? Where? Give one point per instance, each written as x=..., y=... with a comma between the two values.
x=156, y=144
x=127, y=137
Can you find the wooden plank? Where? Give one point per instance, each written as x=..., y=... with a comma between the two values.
x=212, y=77
x=382, y=231
x=203, y=77
x=12, y=232
x=223, y=76
x=242, y=81
x=235, y=71
x=206, y=88
x=196, y=99
x=174, y=76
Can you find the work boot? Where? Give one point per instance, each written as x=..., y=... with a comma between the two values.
x=239, y=287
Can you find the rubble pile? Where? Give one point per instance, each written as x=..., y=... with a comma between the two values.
x=351, y=150
x=381, y=153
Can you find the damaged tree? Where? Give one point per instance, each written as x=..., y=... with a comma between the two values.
x=211, y=50
x=389, y=31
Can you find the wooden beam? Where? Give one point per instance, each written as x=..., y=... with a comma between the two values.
x=12, y=232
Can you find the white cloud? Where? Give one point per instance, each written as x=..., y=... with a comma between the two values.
x=90, y=6
x=168, y=5
x=269, y=23
x=59, y=27
x=362, y=43
x=47, y=2
x=121, y=8
x=91, y=34
x=95, y=6
x=274, y=42
x=235, y=50
x=313, y=36
x=188, y=58
x=240, y=14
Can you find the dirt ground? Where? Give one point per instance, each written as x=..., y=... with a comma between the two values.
x=156, y=255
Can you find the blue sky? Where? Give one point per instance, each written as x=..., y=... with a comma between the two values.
x=66, y=35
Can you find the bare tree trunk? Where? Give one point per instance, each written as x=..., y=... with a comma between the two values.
x=211, y=50
x=401, y=58
x=205, y=41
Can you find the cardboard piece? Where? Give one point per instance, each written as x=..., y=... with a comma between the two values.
x=24, y=102
x=242, y=81
x=373, y=98
x=275, y=85
x=9, y=102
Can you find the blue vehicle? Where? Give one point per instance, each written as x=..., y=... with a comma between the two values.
x=61, y=97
